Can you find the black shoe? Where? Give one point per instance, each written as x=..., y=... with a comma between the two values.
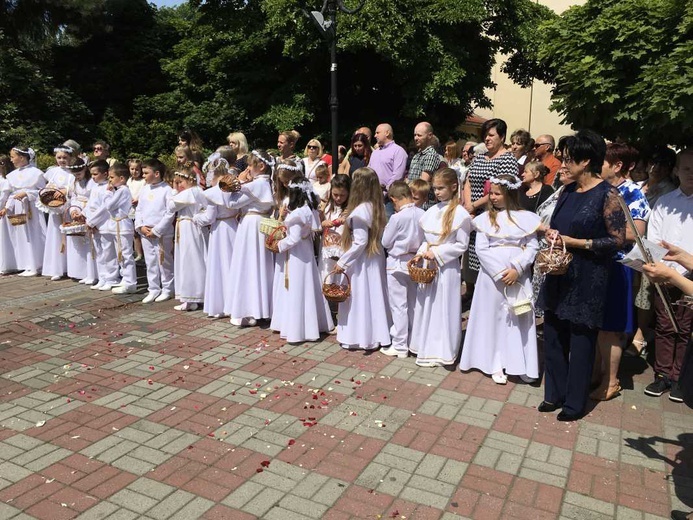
x=568, y=417
x=546, y=407
x=675, y=393
x=679, y=515
x=660, y=385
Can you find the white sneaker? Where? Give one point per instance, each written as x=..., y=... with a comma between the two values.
x=124, y=289
x=186, y=307
x=152, y=296
x=499, y=378
x=28, y=273
x=98, y=286
x=88, y=281
x=393, y=352
x=164, y=296
x=429, y=364
x=56, y=278
x=106, y=287
x=117, y=284
x=236, y=321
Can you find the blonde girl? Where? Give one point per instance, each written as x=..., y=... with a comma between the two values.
x=313, y=153
x=252, y=264
x=437, y=327
x=333, y=217
x=190, y=252
x=185, y=158
x=364, y=318
x=497, y=341
x=135, y=184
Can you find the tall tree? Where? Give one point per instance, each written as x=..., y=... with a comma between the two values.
x=624, y=68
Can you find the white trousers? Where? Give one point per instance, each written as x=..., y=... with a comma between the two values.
x=159, y=274
x=110, y=266
x=401, y=292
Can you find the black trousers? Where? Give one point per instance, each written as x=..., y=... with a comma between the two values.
x=569, y=350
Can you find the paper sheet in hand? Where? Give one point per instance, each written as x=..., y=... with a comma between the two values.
x=635, y=260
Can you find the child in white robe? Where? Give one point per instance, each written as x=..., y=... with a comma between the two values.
x=118, y=237
x=300, y=313
x=28, y=239
x=437, y=327
x=192, y=230
x=401, y=239
x=252, y=264
x=8, y=263
x=364, y=318
x=222, y=235
x=98, y=220
x=81, y=253
x=506, y=243
x=333, y=218
x=135, y=184
x=154, y=223
x=59, y=177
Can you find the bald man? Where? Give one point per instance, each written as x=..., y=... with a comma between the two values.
x=389, y=160
x=543, y=150
x=426, y=161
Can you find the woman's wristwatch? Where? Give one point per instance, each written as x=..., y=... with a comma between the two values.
x=588, y=243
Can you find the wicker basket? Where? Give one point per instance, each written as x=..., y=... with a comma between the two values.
x=420, y=274
x=272, y=240
x=336, y=292
x=20, y=219
x=77, y=227
x=52, y=197
x=554, y=259
x=521, y=305
x=229, y=183
x=268, y=225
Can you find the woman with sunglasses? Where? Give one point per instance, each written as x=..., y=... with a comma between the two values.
x=313, y=153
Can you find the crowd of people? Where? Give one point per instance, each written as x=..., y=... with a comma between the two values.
x=251, y=236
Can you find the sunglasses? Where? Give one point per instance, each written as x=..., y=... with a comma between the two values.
x=97, y=148
x=312, y=147
x=537, y=145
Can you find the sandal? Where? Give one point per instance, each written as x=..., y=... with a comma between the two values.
x=636, y=348
x=608, y=394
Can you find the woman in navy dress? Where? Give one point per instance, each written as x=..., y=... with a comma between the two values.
x=589, y=219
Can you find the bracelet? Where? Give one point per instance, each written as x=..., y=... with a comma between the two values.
x=588, y=243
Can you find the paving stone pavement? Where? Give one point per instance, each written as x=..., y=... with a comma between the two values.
x=110, y=409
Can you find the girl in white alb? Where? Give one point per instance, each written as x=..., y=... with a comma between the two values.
x=192, y=231
x=59, y=177
x=81, y=253
x=252, y=264
x=8, y=263
x=135, y=184
x=300, y=313
x=364, y=318
x=506, y=242
x=222, y=235
x=28, y=239
x=154, y=223
x=437, y=327
x=333, y=218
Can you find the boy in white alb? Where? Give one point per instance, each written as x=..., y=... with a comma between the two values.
x=155, y=224
x=97, y=217
x=401, y=239
x=117, y=238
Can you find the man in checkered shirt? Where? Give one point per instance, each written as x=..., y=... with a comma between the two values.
x=426, y=161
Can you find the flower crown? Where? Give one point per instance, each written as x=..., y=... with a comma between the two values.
x=269, y=162
x=215, y=161
x=29, y=151
x=76, y=167
x=284, y=166
x=184, y=175
x=507, y=183
x=304, y=185
x=63, y=148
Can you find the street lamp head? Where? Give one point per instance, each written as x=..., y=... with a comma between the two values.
x=326, y=27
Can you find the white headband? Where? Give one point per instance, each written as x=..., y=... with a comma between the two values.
x=305, y=186
x=184, y=175
x=214, y=161
x=269, y=162
x=284, y=166
x=63, y=148
x=508, y=184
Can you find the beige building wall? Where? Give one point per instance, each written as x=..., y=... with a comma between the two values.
x=526, y=108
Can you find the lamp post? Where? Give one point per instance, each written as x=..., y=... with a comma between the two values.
x=327, y=26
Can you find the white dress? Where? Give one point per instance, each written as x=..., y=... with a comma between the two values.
x=190, y=253
x=81, y=252
x=437, y=328
x=55, y=255
x=300, y=312
x=219, y=253
x=28, y=239
x=364, y=318
x=252, y=264
x=8, y=262
x=496, y=339
x=329, y=255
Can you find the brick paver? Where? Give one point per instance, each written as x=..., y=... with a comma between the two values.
x=114, y=410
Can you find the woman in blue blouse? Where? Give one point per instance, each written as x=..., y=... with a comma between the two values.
x=589, y=219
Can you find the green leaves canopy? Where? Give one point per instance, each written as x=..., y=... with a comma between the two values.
x=624, y=68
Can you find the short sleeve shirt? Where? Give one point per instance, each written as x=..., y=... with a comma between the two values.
x=637, y=204
x=426, y=160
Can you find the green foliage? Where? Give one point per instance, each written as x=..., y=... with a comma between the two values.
x=624, y=68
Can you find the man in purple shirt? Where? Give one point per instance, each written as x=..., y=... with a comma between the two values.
x=389, y=160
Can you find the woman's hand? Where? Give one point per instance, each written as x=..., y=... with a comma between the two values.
x=510, y=276
x=659, y=272
x=571, y=242
x=21, y=195
x=678, y=255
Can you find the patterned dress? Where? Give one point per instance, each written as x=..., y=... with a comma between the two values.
x=481, y=170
